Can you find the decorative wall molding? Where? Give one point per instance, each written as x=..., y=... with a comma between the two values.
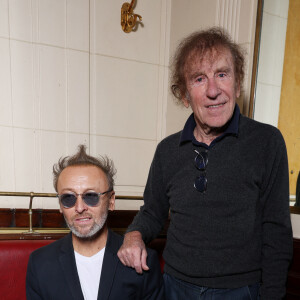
x=228, y=16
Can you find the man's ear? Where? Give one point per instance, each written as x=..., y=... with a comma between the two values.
x=237, y=90
x=112, y=200
x=186, y=99
x=60, y=210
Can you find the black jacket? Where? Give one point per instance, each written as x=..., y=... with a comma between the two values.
x=52, y=274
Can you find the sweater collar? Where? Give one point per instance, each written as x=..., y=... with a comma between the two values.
x=187, y=134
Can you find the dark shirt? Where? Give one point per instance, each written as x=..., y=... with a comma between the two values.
x=236, y=233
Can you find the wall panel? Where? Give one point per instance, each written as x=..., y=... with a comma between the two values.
x=73, y=76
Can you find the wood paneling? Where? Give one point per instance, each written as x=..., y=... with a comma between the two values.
x=289, y=113
x=50, y=224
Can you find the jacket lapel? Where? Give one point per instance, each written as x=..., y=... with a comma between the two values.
x=109, y=266
x=68, y=264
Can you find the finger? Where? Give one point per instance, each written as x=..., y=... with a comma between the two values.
x=122, y=257
x=144, y=260
x=123, y=261
x=128, y=261
x=136, y=262
x=138, y=268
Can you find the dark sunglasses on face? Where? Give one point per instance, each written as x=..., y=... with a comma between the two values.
x=201, y=161
x=68, y=200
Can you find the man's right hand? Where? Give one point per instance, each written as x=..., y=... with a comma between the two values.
x=133, y=252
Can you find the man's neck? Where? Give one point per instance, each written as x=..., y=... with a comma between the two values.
x=207, y=135
x=89, y=247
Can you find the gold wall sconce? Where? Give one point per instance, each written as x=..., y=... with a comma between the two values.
x=128, y=18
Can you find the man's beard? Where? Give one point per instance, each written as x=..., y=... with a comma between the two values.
x=93, y=232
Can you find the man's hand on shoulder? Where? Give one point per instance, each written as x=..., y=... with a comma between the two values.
x=133, y=252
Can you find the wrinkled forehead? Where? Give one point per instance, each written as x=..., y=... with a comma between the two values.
x=82, y=174
x=197, y=60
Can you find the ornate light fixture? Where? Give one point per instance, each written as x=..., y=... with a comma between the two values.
x=128, y=18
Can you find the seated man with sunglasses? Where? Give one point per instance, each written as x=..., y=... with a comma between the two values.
x=84, y=265
x=223, y=180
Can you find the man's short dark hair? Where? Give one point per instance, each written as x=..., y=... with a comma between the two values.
x=199, y=43
x=81, y=158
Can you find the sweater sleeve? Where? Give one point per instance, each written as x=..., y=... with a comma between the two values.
x=152, y=215
x=277, y=238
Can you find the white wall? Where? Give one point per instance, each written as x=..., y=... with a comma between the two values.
x=70, y=75
x=271, y=57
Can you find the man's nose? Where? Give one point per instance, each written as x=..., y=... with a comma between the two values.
x=80, y=205
x=213, y=90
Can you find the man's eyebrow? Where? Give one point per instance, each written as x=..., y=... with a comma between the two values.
x=71, y=189
x=193, y=75
x=224, y=69
x=67, y=190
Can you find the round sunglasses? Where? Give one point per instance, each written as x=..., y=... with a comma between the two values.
x=201, y=161
x=68, y=200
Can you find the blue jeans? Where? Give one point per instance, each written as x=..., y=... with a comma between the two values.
x=176, y=289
